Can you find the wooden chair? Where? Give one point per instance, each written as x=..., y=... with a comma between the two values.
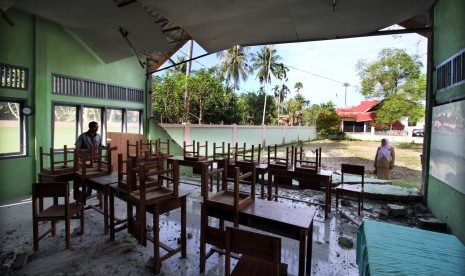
x=63, y=165
x=280, y=163
x=89, y=164
x=134, y=150
x=244, y=155
x=224, y=205
x=351, y=190
x=276, y=162
x=193, y=151
x=148, y=195
x=226, y=199
x=261, y=254
x=146, y=146
x=162, y=148
x=55, y=212
x=302, y=162
x=221, y=152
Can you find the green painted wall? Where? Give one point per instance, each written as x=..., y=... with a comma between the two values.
x=17, y=48
x=446, y=203
x=48, y=48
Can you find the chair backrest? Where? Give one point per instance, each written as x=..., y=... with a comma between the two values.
x=280, y=162
x=62, y=162
x=162, y=148
x=259, y=246
x=132, y=150
x=195, y=150
x=242, y=154
x=304, y=162
x=145, y=146
x=221, y=152
x=97, y=157
x=164, y=176
x=50, y=189
x=354, y=170
x=209, y=174
x=124, y=169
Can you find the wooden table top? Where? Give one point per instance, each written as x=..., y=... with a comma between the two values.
x=105, y=180
x=280, y=212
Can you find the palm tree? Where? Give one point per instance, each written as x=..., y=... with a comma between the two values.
x=266, y=62
x=281, y=74
x=234, y=65
x=297, y=86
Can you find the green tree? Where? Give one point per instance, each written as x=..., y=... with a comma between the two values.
x=168, y=97
x=206, y=93
x=234, y=65
x=266, y=63
x=396, y=79
x=249, y=108
x=297, y=86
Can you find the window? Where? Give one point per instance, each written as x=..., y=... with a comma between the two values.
x=114, y=120
x=451, y=72
x=133, y=121
x=67, y=122
x=64, y=126
x=15, y=77
x=12, y=128
x=90, y=114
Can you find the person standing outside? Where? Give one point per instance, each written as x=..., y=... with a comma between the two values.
x=384, y=160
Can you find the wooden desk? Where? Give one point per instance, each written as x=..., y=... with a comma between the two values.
x=321, y=175
x=274, y=217
x=196, y=165
x=102, y=184
x=157, y=210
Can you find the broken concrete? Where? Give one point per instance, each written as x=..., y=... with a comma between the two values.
x=397, y=210
x=432, y=224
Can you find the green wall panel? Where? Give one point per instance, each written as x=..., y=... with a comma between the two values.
x=46, y=48
x=446, y=203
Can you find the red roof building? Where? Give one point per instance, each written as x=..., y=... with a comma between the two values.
x=360, y=118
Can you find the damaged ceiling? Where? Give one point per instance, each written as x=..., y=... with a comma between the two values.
x=155, y=29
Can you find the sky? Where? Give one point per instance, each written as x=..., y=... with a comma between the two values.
x=323, y=66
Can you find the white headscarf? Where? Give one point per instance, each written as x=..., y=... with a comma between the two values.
x=385, y=151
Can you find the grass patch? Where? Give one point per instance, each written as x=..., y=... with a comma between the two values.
x=409, y=145
x=406, y=184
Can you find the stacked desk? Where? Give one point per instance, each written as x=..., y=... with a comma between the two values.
x=388, y=249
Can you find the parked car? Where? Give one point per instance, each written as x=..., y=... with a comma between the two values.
x=418, y=132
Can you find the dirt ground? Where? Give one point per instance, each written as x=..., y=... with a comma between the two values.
x=407, y=170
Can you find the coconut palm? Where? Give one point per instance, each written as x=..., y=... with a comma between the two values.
x=234, y=65
x=297, y=86
x=266, y=63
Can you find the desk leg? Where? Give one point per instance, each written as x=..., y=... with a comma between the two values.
x=183, y=228
x=203, y=229
x=328, y=198
x=302, y=246
x=270, y=183
x=156, y=239
x=276, y=188
x=309, y=250
x=105, y=208
x=262, y=184
x=112, y=216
